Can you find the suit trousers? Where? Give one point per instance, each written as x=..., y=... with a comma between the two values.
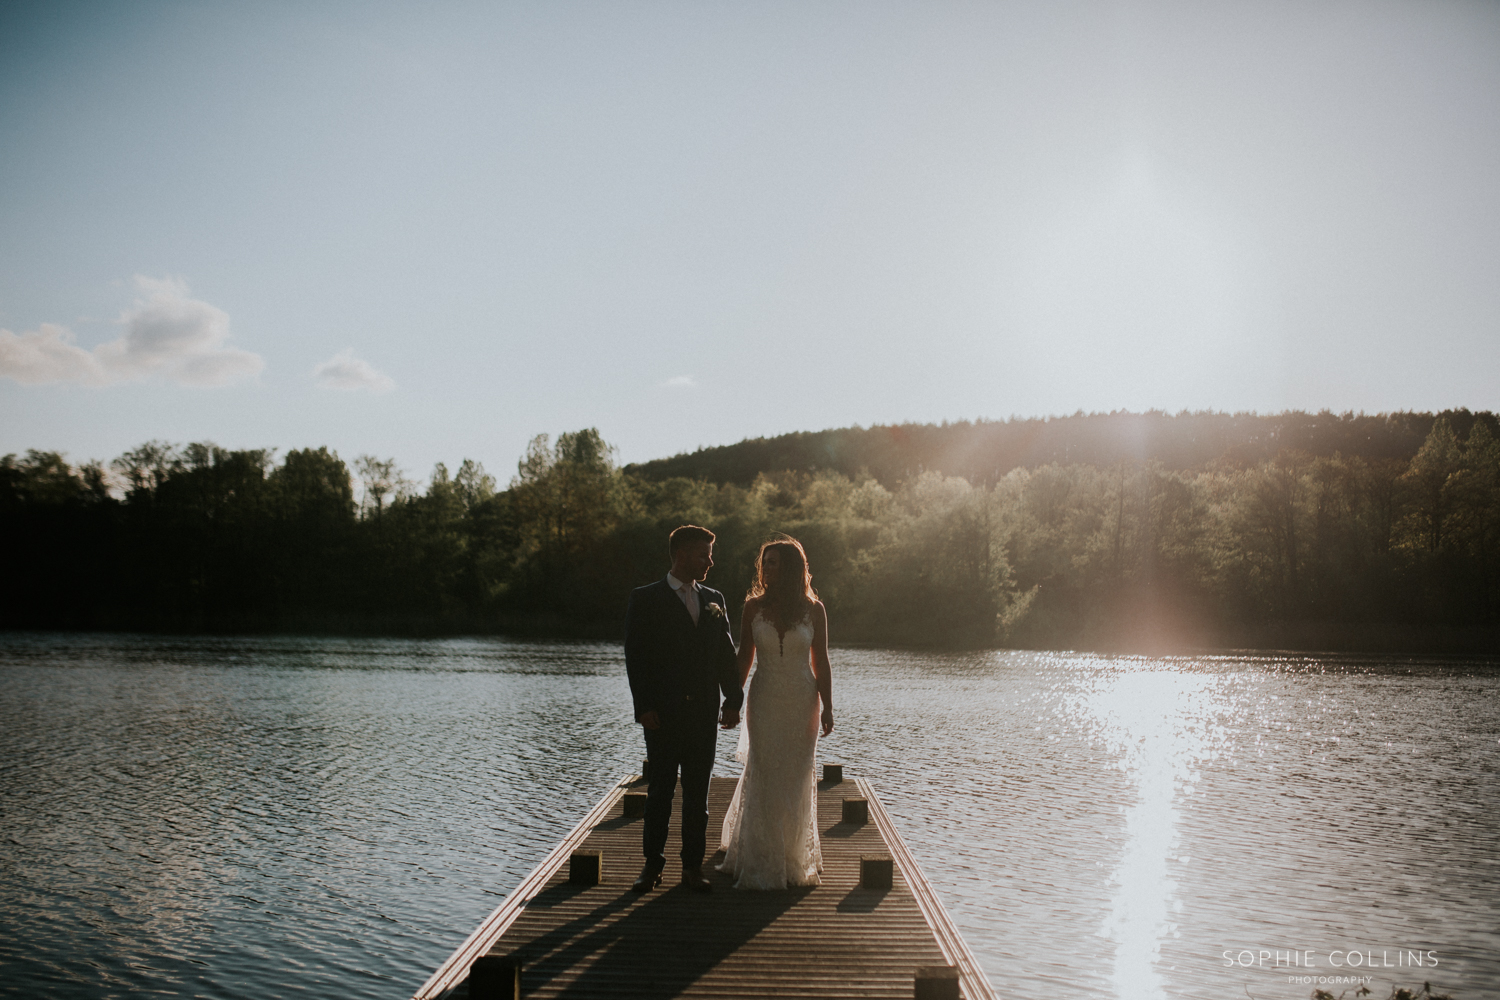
x=687, y=744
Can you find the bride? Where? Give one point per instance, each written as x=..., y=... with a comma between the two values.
x=770, y=834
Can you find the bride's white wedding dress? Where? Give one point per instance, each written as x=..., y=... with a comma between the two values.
x=770, y=836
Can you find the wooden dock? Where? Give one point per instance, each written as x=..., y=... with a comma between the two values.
x=570, y=939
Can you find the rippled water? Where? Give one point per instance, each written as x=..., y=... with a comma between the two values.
x=272, y=817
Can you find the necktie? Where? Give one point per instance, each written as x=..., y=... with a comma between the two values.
x=690, y=599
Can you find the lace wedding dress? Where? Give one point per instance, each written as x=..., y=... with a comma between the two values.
x=770, y=836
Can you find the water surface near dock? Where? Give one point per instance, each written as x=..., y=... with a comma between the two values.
x=267, y=817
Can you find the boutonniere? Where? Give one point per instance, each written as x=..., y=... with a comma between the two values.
x=714, y=610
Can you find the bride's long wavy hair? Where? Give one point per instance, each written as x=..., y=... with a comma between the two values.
x=787, y=600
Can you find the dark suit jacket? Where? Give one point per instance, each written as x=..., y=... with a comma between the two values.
x=677, y=668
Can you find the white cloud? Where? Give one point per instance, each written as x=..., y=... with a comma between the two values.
x=178, y=337
x=167, y=334
x=681, y=382
x=345, y=371
x=48, y=354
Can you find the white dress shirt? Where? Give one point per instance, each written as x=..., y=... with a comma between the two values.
x=688, y=592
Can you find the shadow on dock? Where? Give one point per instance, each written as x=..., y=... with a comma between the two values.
x=659, y=947
x=873, y=929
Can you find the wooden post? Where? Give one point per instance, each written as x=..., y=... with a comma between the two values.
x=936, y=982
x=646, y=768
x=833, y=773
x=876, y=871
x=495, y=977
x=856, y=811
x=586, y=868
x=635, y=805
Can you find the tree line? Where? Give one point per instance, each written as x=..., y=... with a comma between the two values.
x=1244, y=549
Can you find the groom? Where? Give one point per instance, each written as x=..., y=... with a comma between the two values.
x=679, y=653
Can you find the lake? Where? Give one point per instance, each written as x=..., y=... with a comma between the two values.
x=271, y=817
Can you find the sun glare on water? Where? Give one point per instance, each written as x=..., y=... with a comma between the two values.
x=1160, y=725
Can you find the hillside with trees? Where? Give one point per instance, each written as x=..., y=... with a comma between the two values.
x=1121, y=532
x=983, y=452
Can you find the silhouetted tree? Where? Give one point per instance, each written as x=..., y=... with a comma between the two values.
x=1430, y=476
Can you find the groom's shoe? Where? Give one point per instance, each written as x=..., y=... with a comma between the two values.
x=694, y=880
x=650, y=879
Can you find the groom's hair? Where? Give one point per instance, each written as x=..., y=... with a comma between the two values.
x=686, y=535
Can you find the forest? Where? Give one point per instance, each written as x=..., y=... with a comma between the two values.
x=1145, y=532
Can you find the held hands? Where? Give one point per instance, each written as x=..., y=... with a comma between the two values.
x=727, y=720
x=827, y=720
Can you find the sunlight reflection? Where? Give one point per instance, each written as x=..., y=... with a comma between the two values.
x=1161, y=725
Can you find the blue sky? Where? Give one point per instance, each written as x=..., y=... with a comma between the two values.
x=433, y=231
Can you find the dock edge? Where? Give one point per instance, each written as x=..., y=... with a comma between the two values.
x=496, y=924
x=975, y=985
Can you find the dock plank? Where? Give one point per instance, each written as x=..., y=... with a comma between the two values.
x=833, y=940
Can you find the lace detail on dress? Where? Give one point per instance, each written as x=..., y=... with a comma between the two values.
x=770, y=834
x=781, y=632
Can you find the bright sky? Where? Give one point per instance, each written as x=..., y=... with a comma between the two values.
x=431, y=231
